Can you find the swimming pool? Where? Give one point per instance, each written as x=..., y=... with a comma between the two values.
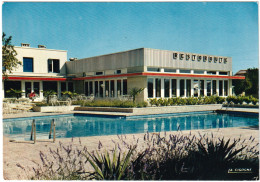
x=79, y=125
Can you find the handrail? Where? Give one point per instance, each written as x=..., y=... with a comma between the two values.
x=33, y=131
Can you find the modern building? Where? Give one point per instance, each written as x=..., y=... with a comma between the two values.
x=161, y=73
x=41, y=69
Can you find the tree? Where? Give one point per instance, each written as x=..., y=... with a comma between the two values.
x=249, y=85
x=252, y=82
x=9, y=60
x=135, y=91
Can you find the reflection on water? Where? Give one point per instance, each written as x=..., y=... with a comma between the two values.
x=78, y=126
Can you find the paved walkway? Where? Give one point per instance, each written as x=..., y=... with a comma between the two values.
x=25, y=153
x=31, y=114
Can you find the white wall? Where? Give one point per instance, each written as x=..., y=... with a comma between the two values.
x=40, y=61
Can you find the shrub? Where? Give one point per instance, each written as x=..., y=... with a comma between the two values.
x=254, y=101
x=142, y=104
x=191, y=101
x=111, y=103
x=153, y=101
x=247, y=100
x=157, y=157
x=109, y=169
x=220, y=100
x=64, y=163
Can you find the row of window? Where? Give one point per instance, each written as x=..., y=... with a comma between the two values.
x=152, y=69
x=106, y=88
x=35, y=87
x=193, y=57
x=155, y=87
x=102, y=72
x=53, y=65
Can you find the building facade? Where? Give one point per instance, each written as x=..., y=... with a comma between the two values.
x=41, y=69
x=161, y=73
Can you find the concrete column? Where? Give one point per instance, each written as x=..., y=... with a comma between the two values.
x=192, y=88
x=223, y=89
x=230, y=87
x=23, y=88
x=211, y=89
x=185, y=87
x=217, y=85
x=93, y=87
x=58, y=89
x=104, y=88
x=145, y=91
x=178, y=87
x=205, y=87
x=32, y=87
x=41, y=90
x=170, y=90
x=109, y=90
x=115, y=88
x=154, y=94
x=162, y=87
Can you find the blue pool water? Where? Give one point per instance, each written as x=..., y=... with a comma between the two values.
x=77, y=125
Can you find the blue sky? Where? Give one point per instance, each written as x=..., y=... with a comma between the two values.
x=90, y=29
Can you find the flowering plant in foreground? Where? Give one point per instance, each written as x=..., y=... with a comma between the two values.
x=154, y=157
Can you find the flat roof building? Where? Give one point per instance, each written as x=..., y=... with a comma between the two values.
x=161, y=73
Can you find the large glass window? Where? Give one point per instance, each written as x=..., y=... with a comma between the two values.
x=86, y=89
x=96, y=88
x=16, y=85
x=90, y=88
x=196, y=88
x=153, y=69
x=166, y=87
x=119, y=91
x=225, y=88
x=182, y=87
x=223, y=73
x=158, y=87
x=101, y=86
x=214, y=89
x=99, y=73
x=220, y=87
x=70, y=87
x=36, y=87
x=198, y=72
x=174, y=88
x=125, y=87
x=170, y=70
x=63, y=86
x=54, y=65
x=201, y=87
x=107, y=88
x=28, y=88
x=208, y=87
x=50, y=85
x=188, y=88
x=184, y=71
x=150, y=87
x=27, y=64
x=112, y=88
x=211, y=72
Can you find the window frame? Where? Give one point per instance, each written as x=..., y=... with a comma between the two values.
x=25, y=64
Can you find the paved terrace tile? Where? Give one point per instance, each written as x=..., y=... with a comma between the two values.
x=24, y=153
